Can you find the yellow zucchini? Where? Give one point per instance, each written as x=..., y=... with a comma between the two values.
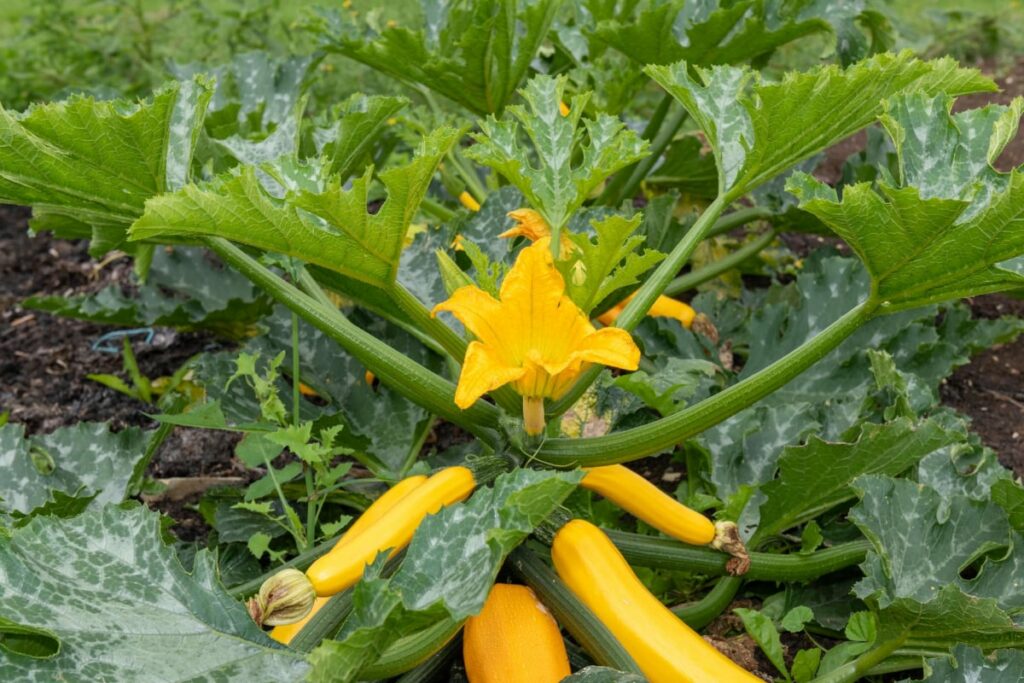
x=647, y=502
x=284, y=634
x=343, y=566
x=665, y=649
x=514, y=639
x=384, y=502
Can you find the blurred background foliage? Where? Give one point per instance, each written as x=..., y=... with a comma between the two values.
x=52, y=48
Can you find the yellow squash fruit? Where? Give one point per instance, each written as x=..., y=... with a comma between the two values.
x=343, y=566
x=514, y=640
x=384, y=502
x=665, y=649
x=647, y=502
x=284, y=634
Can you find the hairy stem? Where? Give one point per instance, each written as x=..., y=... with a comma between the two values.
x=666, y=433
x=686, y=282
x=699, y=614
x=660, y=553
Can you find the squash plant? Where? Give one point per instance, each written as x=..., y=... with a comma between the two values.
x=805, y=414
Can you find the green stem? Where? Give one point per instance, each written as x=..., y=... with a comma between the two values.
x=300, y=542
x=160, y=435
x=661, y=553
x=855, y=670
x=735, y=219
x=699, y=614
x=652, y=288
x=452, y=343
x=569, y=612
x=431, y=669
x=615, y=190
x=311, y=513
x=690, y=280
x=662, y=141
x=468, y=175
x=437, y=210
x=408, y=378
x=652, y=438
x=895, y=664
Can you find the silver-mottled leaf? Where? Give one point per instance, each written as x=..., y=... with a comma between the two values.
x=124, y=609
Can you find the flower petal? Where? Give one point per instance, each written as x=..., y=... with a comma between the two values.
x=610, y=346
x=482, y=371
x=476, y=309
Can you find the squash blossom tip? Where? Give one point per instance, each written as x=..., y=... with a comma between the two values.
x=284, y=598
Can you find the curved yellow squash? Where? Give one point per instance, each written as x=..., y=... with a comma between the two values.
x=645, y=501
x=344, y=565
x=665, y=649
x=514, y=640
x=284, y=634
x=384, y=502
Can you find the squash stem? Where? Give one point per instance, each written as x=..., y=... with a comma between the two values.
x=699, y=614
x=660, y=553
x=666, y=433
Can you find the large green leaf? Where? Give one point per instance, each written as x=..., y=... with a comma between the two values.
x=447, y=572
x=971, y=665
x=658, y=32
x=956, y=226
x=327, y=226
x=828, y=398
x=356, y=128
x=474, y=53
x=548, y=173
x=916, y=576
x=757, y=129
x=816, y=476
x=96, y=163
x=85, y=460
x=184, y=289
x=123, y=608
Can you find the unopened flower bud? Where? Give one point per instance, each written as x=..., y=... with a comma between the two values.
x=284, y=598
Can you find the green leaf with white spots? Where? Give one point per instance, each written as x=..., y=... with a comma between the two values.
x=547, y=171
x=757, y=129
x=731, y=32
x=915, y=577
x=971, y=665
x=602, y=674
x=123, y=609
x=184, y=289
x=96, y=163
x=956, y=226
x=324, y=225
x=447, y=572
x=86, y=460
x=817, y=476
x=359, y=123
x=474, y=53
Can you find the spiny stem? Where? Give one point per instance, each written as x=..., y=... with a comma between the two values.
x=666, y=433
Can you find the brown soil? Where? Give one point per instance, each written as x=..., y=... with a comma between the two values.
x=44, y=359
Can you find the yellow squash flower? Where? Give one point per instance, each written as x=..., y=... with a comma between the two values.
x=533, y=336
x=532, y=226
x=663, y=307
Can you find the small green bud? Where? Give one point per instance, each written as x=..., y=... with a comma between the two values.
x=284, y=598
